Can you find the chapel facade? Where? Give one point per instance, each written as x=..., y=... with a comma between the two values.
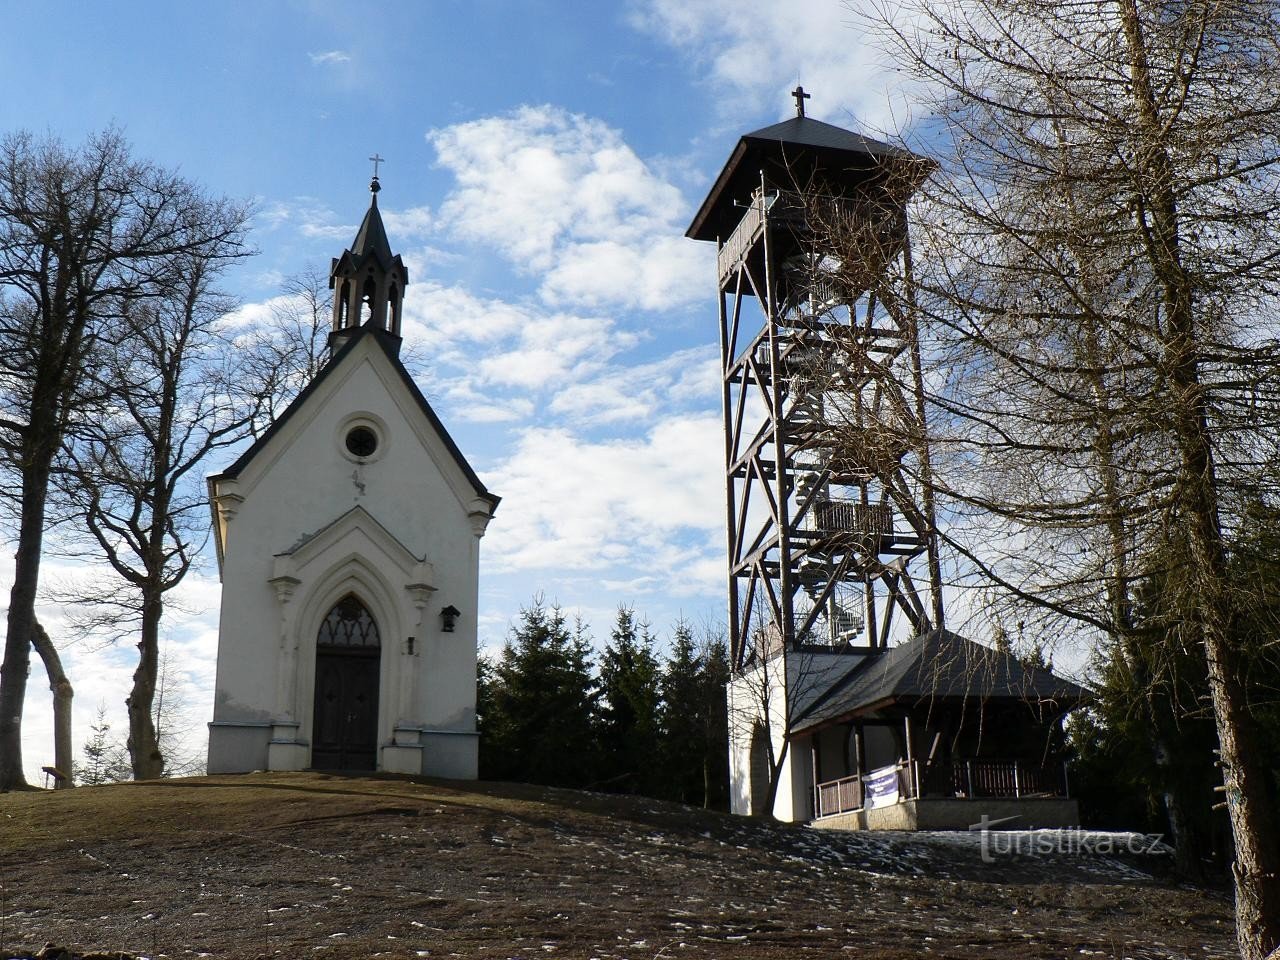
x=348, y=546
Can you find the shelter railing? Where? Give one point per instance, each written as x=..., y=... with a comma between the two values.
x=962, y=779
x=1007, y=778
x=839, y=796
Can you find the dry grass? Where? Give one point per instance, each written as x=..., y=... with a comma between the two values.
x=290, y=865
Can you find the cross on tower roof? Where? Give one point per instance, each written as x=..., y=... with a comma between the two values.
x=801, y=97
x=374, y=185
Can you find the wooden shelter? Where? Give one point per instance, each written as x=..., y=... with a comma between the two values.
x=958, y=721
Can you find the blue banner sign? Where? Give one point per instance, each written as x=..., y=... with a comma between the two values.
x=882, y=787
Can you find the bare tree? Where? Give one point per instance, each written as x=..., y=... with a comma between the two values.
x=81, y=231
x=288, y=350
x=175, y=388
x=60, y=687
x=1097, y=267
x=172, y=720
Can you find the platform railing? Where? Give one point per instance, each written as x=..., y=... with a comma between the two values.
x=849, y=516
x=739, y=242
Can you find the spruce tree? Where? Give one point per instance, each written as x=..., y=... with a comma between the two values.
x=629, y=715
x=537, y=703
x=713, y=679
x=104, y=758
x=683, y=720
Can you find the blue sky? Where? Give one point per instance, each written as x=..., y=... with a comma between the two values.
x=542, y=162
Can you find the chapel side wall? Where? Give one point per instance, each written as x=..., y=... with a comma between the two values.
x=742, y=711
x=447, y=691
x=758, y=697
x=808, y=675
x=248, y=637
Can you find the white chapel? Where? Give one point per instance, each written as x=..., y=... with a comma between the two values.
x=348, y=542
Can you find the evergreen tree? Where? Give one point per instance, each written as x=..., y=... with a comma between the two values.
x=485, y=716
x=713, y=674
x=105, y=759
x=683, y=745
x=695, y=732
x=537, y=703
x=629, y=722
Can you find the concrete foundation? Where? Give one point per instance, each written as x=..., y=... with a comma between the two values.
x=951, y=814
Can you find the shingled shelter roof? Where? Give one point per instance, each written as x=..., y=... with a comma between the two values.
x=939, y=665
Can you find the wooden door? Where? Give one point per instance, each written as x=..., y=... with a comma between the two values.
x=344, y=731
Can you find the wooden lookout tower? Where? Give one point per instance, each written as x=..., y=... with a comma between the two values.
x=850, y=703
x=830, y=527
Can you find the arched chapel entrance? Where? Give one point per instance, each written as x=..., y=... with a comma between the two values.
x=344, y=730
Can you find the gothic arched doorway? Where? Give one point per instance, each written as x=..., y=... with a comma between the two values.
x=344, y=729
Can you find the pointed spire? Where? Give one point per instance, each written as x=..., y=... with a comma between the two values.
x=368, y=280
x=372, y=236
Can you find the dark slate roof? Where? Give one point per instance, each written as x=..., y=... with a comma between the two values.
x=372, y=237
x=939, y=665
x=809, y=132
x=796, y=146
x=389, y=345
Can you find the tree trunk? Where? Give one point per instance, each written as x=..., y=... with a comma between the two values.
x=1186, y=798
x=1256, y=869
x=63, y=755
x=1257, y=854
x=144, y=746
x=22, y=609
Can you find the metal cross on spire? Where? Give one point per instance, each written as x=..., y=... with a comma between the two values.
x=376, y=160
x=801, y=97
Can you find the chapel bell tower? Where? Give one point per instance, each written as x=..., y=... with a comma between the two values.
x=367, y=281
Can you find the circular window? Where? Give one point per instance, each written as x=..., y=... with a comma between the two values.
x=362, y=437
x=361, y=441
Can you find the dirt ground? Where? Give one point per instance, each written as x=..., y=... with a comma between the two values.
x=309, y=865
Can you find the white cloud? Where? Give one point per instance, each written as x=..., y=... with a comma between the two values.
x=403, y=225
x=571, y=504
x=310, y=217
x=444, y=317
x=656, y=274
x=248, y=316
x=755, y=51
x=330, y=57
x=554, y=349
x=687, y=377
x=503, y=344
x=468, y=404
x=563, y=196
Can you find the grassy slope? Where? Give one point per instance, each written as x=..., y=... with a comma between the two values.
x=306, y=864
